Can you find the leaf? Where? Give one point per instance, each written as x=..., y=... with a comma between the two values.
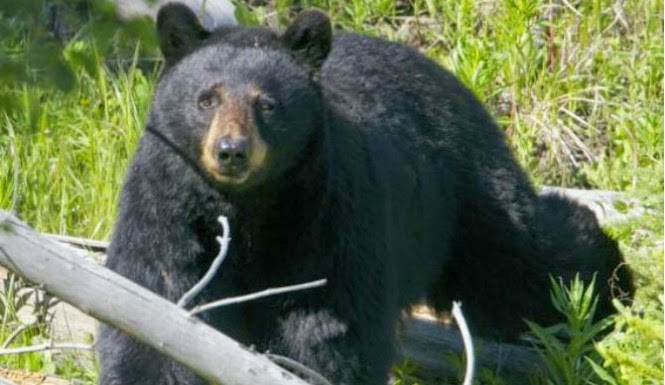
x=602, y=373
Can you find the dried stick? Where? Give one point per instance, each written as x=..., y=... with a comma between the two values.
x=223, y=241
x=296, y=366
x=259, y=294
x=468, y=343
x=15, y=334
x=84, y=243
x=43, y=347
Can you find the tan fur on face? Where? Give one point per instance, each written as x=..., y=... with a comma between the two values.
x=233, y=119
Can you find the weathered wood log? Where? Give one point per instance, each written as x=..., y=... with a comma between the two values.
x=609, y=206
x=120, y=302
x=428, y=345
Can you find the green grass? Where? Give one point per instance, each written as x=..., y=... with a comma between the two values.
x=66, y=154
x=578, y=91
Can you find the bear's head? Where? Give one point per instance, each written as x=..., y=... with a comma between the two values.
x=243, y=103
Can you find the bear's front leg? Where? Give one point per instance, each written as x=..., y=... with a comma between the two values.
x=344, y=352
x=125, y=361
x=152, y=247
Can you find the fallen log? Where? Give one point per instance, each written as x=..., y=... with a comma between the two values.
x=120, y=302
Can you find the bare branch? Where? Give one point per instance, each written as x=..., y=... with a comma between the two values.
x=468, y=342
x=84, y=243
x=223, y=241
x=259, y=294
x=297, y=367
x=46, y=346
x=15, y=334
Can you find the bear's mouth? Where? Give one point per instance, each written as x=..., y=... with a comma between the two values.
x=232, y=169
x=241, y=173
x=228, y=174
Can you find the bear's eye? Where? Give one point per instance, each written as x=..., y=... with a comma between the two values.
x=208, y=100
x=265, y=103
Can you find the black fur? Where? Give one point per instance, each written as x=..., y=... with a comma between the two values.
x=179, y=31
x=386, y=176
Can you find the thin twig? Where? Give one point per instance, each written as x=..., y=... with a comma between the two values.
x=15, y=334
x=223, y=241
x=85, y=243
x=296, y=366
x=468, y=342
x=259, y=294
x=45, y=347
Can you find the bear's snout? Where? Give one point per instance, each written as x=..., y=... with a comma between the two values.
x=233, y=154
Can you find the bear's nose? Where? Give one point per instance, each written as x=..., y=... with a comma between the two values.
x=233, y=152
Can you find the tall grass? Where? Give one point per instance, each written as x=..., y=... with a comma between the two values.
x=65, y=154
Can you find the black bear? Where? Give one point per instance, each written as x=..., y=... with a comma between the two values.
x=347, y=158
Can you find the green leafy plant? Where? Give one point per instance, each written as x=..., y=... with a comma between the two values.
x=633, y=353
x=567, y=349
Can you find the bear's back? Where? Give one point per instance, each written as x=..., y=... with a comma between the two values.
x=393, y=93
x=375, y=80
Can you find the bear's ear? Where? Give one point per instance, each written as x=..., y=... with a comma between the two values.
x=179, y=31
x=309, y=38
